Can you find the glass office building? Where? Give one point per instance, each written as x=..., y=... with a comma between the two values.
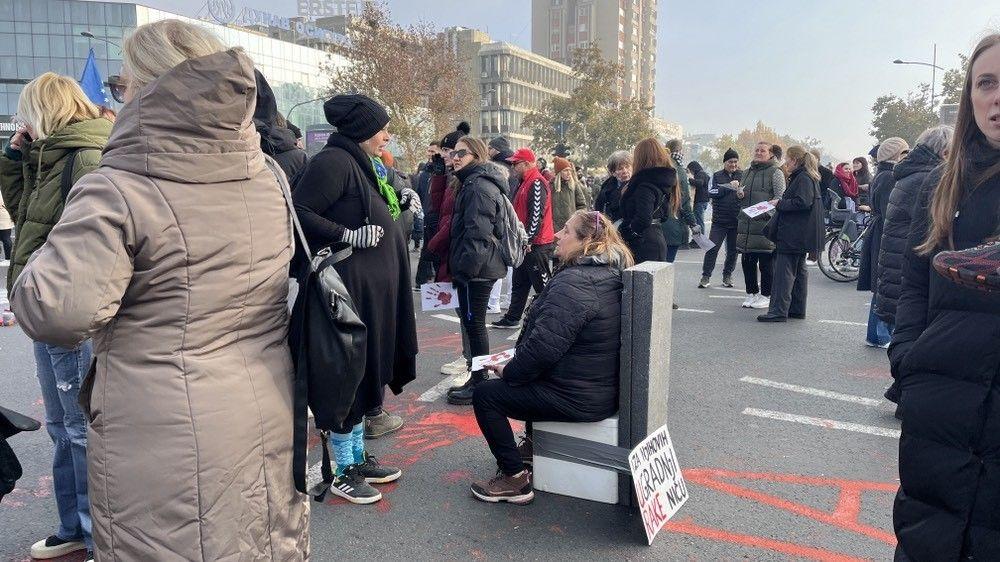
x=37, y=36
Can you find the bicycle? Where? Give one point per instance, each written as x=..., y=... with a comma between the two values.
x=840, y=259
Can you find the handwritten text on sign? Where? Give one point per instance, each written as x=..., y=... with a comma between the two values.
x=659, y=485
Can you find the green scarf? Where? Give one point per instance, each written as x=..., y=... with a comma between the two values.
x=388, y=193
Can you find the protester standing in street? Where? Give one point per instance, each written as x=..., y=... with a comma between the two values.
x=796, y=230
x=475, y=260
x=675, y=224
x=566, y=363
x=889, y=153
x=651, y=194
x=184, y=292
x=699, y=181
x=608, y=200
x=862, y=174
x=726, y=191
x=945, y=346
x=276, y=140
x=344, y=196
x=763, y=181
x=428, y=263
x=500, y=151
x=567, y=194
x=533, y=205
x=59, y=140
x=6, y=227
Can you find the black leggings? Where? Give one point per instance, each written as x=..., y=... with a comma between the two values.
x=751, y=262
x=473, y=300
x=5, y=242
x=533, y=273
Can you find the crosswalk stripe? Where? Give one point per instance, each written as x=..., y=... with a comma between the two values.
x=698, y=310
x=842, y=322
x=726, y=297
x=448, y=318
x=813, y=391
x=438, y=390
x=821, y=422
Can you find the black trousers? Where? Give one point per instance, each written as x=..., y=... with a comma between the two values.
x=5, y=242
x=790, y=286
x=473, y=300
x=717, y=235
x=494, y=401
x=534, y=273
x=751, y=262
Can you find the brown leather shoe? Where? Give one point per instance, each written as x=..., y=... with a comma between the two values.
x=502, y=488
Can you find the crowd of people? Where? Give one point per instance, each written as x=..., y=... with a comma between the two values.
x=148, y=273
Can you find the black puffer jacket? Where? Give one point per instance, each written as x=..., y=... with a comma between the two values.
x=644, y=205
x=872, y=244
x=608, y=200
x=475, y=224
x=798, y=227
x=275, y=141
x=513, y=182
x=725, y=203
x=699, y=182
x=571, y=339
x=910, y=175
x=945, y=355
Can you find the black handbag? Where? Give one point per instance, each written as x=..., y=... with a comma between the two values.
x=328, y=342
x=11, y=423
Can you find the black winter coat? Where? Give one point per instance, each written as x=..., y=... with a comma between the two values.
x=798, y=227
x=608, y=200
x=945, y=355
x=881, y=187
x=275, y=141
x=513, y=182
x=570, y=343
x=725, y=204
x=644, y=205
x=910, y=175
x=338, y=190
x=476, y=224
x=699, y=182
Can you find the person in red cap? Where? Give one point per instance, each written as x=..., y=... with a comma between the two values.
x=533, y=205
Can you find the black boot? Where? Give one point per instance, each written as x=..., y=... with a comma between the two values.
x=462, y=395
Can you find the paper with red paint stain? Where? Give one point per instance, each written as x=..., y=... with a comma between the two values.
x=480, y=362
x=438, y=296
x=658, y=482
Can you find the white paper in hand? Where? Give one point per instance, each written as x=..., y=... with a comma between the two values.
x=499, y=358
x=703, y=242
x=438, y=296
x=758, y=209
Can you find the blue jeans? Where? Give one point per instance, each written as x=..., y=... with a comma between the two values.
x=879, y=332
x=60, y=372
x=672, y=253
x=699, y=214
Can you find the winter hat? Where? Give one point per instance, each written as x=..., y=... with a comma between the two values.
x=356, y=116
x=730, y=154
x=451, y=139
x=560, y=164
x=889, y=150
x=499, y=144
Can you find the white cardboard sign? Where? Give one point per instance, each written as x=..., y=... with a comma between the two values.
x=703, y=241
x=759, y=209
x=438, y=296
x=498, y=358
x=657, y=478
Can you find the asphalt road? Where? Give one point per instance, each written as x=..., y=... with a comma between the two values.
x=787, y=448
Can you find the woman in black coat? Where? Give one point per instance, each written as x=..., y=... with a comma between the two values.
x=608, y=199
x=796, y=230
x=648, y=198
x=565, y=367
x=474, y=258
x=276, y=141
x=945, y=351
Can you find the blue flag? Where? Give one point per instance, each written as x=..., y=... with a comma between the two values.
x=92, y=84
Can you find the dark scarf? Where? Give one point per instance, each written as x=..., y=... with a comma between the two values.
x=983, y=160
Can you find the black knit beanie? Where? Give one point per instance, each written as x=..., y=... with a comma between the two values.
x=499, y=144
x=356, y=116
x=451, y=139
x=730, y=154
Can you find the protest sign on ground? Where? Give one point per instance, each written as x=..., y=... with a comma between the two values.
x=659, y=485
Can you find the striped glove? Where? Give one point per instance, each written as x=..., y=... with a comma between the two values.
x=367, y=236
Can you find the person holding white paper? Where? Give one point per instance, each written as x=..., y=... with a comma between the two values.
x=565, y=366
x=763, y=181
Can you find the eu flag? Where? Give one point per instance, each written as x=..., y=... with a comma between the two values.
x=92, y=84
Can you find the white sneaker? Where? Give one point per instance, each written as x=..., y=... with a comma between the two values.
x=760, y=301
x=4, y=263
x=749, y=300
x=456, y=367
x=54, y=547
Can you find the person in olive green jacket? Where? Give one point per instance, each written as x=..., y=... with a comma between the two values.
x=56, y=121
x=675, y=226
x=763, y=181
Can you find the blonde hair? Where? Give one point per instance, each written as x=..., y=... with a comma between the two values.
x=477, y=148
x=600, y=238
x=805, y=159
x=50, y=102
x=155, y=48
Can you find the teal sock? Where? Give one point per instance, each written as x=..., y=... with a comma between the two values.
x=358, y=443
x=343, y=453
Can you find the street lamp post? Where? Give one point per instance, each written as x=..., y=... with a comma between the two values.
x=934, y=69
x=90, y=35
x=288, y=114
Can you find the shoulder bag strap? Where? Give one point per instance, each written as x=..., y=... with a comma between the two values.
x=66, y=181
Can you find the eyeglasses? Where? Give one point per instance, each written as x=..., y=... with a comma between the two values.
x=117, y=86
x=461, y=153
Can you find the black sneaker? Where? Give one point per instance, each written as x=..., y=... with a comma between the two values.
x=374, y=473
x=506, y=324
x=352, y=487
x=462, y=395
x=515, y=489
x=727, y=282
x=704, y=283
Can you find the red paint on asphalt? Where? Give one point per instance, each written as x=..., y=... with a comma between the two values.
x=687, y=527
x=454, y=476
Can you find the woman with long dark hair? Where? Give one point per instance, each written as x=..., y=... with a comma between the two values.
x=651, y=195
x=945, y=351
x=863, y=176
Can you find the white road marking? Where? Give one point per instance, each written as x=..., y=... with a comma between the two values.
x=448, y=318
x=696, y=310
x=514, y=336
x=821, y=422
x=843, y=322
x=441, y=388
x=725, y=297
x=733, y=289
x=688, y=262
x=813, y=391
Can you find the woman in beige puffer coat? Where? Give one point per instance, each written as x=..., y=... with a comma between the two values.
x=173, y=255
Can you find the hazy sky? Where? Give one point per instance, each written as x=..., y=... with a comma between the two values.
x=805, y=67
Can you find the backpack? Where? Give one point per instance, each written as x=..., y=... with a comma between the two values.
x=328, y=342
x=513, y=238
